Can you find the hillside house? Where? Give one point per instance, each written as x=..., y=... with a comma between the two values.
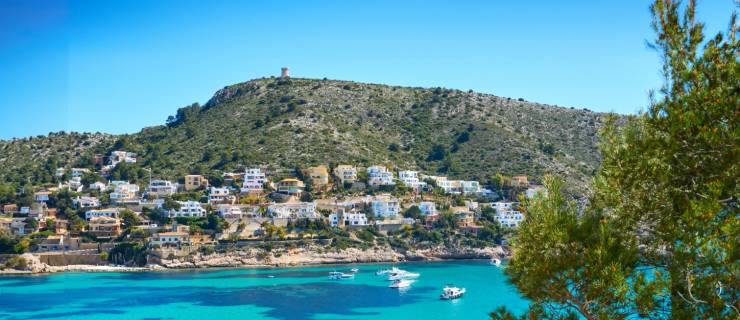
x=379, y=176
x=344, y=218
x=428, y=208
x=188, y=209
x=346, y=174
x=98, y=186
x=469, y=187
x=117, y=157
x=85, y=202
x=254, y=181
x=392, y=225
x=124, y=193
x=411, y=179
x=519, y=181
x=79, y=172
x=219, y=195
x=318, y=176
x=195, y=182
x=56, y=243
x=230, y=211
x=41, y=196
x=161, y=188
x=74, y=184
x=230, y=177
x=384, y=206
x=110, y=212
x=171, y=239
x=290, y=186
x=10, y=208
x=104, y=227
x=293, y=210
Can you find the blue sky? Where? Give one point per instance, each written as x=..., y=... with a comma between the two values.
x=119, y=66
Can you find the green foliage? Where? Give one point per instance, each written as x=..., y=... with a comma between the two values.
x=413, y=212
x=659, y=238
x=130, y=219
x=17, y=263
x=247, y=124
x=10, y=244
x=128, y=253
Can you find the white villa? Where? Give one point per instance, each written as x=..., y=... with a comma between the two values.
x=506, y=215
x=161, y=188
x=171, y=239
x=188, y=209
x=219, y=195
x=124, y=192
x=509, y=219
x=117, y=157
x=455, y=186
x=348, y=219
x=293, y=210
x=230, y=211
x=379, y=176
x=254, y=180
x=469, y=187
x=384, y=206
x=97, y=186
x=85, y=202
x=75, y=184
x=428, y=208
x=411, y=179
x=79, y=172
x=109, y=212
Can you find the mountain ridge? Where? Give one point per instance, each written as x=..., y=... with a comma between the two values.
x=297, y=122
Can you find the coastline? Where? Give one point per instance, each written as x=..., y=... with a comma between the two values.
x=256, y=259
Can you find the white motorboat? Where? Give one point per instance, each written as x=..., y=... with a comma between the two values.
x=449, y=293
x=401, y=284
x=335, y=275
x=354, y=270
x=402, y=275
x=495, y=262
x=387, y=271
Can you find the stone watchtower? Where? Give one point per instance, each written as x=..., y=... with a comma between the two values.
x=284, y=72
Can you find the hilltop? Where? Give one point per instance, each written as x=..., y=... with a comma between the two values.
x=289, y=123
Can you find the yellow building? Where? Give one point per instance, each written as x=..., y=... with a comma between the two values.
x=104, y=227
x=319, y=176
x=195, y=182
x=290, y=186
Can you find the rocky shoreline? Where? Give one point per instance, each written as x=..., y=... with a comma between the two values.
x=256, y=258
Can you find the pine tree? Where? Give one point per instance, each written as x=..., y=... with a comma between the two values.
x=659, y=238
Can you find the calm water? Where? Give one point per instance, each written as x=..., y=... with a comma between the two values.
x=293, y=293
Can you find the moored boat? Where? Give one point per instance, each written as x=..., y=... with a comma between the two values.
x=449, y=293
x=401, y=284
x=402, y=275
x=336, y=275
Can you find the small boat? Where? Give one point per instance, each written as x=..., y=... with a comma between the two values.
x=449, y=293
x=401, y=284
x=403, y=275
x=495, y=262
x=354, y=270
x=335, y=275
x=271, y=276
x=386, y=271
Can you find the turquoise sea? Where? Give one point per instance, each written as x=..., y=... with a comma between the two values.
x=289, y=293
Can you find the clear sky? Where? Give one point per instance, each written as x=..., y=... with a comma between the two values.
x=118, y=66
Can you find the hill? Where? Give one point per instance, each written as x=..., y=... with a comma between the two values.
x=289, y=123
